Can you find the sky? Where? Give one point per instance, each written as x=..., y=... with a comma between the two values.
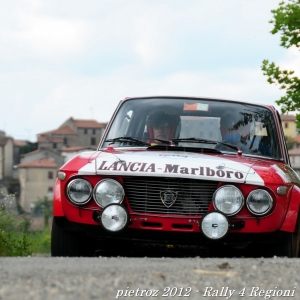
x=62, y=59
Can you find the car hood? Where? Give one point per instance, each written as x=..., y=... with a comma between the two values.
x=221, y=167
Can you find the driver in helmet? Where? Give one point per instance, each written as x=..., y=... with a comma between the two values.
x=160, y=126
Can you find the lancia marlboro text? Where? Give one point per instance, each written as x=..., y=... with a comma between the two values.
x=169, y=168
x=191, y=165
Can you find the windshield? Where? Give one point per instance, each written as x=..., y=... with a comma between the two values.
x=194, y=123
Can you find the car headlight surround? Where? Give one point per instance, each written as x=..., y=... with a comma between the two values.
x=79, y=191
x=108, y=191
x=259, y=202
x=228, y=199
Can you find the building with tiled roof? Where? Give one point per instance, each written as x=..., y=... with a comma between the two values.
x=73, y=133
x=40, y=163
x=289, y=126
x=42, y=153
x=37, y=169
x=287, y=118
x=88, y=124
x=65, y=130
x=37, y=179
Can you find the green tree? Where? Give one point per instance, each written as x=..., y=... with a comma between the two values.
x=286, y=21
x=44, y=206
x=29, y=147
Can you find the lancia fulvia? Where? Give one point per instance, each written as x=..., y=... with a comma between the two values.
x=181, y=171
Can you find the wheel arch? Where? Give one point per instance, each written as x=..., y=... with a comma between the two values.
x=57, y=205
x=291, y=216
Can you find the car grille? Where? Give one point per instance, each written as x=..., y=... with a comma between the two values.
x=193, y=198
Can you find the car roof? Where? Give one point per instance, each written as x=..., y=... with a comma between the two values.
x=198, y=98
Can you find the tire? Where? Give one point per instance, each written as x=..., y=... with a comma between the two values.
x=284, y=248
x=296, y=239
x=67, y=243
x=291, y=242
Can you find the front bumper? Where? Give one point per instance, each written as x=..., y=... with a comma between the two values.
x=168, y=237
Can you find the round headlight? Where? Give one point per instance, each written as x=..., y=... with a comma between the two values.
x=79, y=191
x=214, y=225
x=228, y=199
x=259, y=202
x=108, y=191
x=114, y=217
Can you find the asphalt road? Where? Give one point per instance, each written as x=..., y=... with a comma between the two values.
x=42, y=278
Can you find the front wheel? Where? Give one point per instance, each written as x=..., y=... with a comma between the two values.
x=66, y=243
x=291, y=243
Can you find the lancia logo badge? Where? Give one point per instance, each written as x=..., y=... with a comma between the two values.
x=168, y=198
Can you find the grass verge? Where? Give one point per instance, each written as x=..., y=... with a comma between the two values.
x=16, y=238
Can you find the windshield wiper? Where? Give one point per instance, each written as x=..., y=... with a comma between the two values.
x=195, y=140
x=205, y=141
x=127, y=139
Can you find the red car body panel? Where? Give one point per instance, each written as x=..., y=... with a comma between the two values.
x=268, y=170
x=57, y=203
x=292, y=212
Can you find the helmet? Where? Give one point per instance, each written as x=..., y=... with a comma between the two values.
x=159, y=118
x=163, y=119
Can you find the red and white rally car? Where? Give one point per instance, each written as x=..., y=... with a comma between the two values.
x=181, y=170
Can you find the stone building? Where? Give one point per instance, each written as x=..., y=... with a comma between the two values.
x=289, y=126
x=38, y=168
x=6, y=155
x=73, y=133
x=37, y=179
x=43, y=153
x=295, y=159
